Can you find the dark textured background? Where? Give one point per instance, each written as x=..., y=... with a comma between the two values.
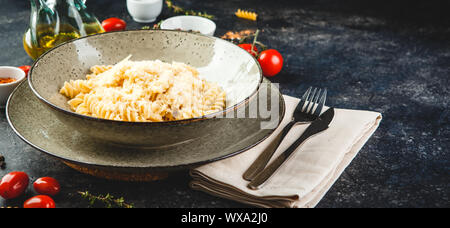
x=387, y=56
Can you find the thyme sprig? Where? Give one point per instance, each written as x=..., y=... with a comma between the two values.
x=178, y=10
x=175, y=9
x=158, y=25
x=107, y=200
x=155, y=26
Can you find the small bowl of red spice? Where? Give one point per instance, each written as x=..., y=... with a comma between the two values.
x=10, y=78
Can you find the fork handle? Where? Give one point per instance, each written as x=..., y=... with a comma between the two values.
x=260, y=163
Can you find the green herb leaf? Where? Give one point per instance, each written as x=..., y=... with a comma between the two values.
x=179, y=10
x=107, y=201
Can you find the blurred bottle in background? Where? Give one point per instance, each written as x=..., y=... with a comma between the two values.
x=53, y=22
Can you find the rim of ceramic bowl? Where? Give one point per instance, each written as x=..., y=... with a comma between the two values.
x=212, y=27
x=156, y=168
x=18, y=80
x=182, y=121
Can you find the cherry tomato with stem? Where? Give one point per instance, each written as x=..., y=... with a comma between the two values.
x=13, y=185
x=248, y=48
x=114, y=24
x=25, y=69
x=47, y=186
x=40, y=201
x=271, y=62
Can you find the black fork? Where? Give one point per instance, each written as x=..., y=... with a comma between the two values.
x=307, y=110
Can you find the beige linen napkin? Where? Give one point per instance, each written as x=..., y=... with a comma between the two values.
x=306, y=176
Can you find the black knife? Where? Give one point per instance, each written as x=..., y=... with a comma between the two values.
x=319, y=125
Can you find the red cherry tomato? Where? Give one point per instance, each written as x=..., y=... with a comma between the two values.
x=114, y=24
x=25, y=69
x=271, y=62
x=248, y=48
x=13, y=185
x=40, y=201
x=47, y=186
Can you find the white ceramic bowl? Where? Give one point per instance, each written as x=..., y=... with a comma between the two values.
x=144, y=11
x=186, y=23
x=6, y=89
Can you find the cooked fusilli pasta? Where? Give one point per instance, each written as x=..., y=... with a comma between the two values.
x=144, y=91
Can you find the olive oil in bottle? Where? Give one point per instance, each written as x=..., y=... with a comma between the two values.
x=55, y=22
x=47, y=38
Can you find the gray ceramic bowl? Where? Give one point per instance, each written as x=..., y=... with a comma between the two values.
x=35, y=124
x=217, y=61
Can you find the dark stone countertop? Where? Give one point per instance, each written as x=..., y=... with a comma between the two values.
x=393, y=58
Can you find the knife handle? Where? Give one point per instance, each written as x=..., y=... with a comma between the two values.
x=260, y=163
x=262, y=177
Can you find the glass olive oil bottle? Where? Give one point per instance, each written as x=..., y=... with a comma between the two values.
x=53, y=22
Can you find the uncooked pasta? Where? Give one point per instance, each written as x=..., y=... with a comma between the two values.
x=246, y=15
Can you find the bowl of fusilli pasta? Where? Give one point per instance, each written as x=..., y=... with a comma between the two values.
x=152, y=88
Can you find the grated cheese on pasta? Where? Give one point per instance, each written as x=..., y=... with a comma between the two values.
x=144, y=91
